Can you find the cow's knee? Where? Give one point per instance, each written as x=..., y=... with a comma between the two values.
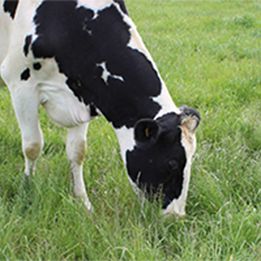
x=32, y=150
x=76, y=151
x=80, y=153
x=76, y=144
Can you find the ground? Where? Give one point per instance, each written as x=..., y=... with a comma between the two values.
x=210, y=57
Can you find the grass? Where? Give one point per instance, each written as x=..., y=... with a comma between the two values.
x=210, y=57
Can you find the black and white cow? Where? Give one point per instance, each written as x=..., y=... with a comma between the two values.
x=79, y=58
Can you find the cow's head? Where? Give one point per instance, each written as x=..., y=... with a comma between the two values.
x=161, y=159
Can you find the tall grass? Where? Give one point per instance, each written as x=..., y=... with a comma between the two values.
x=209, y=55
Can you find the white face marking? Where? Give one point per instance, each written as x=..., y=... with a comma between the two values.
x=106, y=74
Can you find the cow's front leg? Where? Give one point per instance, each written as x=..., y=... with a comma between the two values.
x=75, y=148
x=26, y=104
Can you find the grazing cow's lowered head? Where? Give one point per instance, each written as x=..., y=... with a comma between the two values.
x=78, y=58
x=159, y=163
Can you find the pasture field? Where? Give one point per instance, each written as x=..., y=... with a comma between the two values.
x=209, y=54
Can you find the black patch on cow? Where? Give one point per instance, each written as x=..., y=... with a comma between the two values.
x=10, y=7
x=93, y=110
x=25, y=75
x=122, y=5
x=27, y=43
x=37, y=66
x=79, y=40
x=157, y=164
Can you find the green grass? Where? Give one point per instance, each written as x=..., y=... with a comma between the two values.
x=209, y=53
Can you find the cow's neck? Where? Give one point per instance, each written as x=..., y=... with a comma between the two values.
x=164, y=99
x=125, y=134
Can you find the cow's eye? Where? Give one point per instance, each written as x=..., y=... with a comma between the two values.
x=173, y=165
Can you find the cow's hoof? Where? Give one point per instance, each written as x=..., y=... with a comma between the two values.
x=179, y=215
x=89, y=208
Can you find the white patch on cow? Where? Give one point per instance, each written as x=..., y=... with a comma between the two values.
x=177, y=206
x=126, y=140
x=95, y=5
x=95, y=15
x=106, y=74
x=127, y=143
x=120, y=78
x=166, y=102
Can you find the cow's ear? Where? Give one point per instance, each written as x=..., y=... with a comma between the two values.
x=146, y=130
x=190, y=118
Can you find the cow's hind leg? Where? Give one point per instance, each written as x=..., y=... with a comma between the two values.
x=75, y=148
x=26, y=104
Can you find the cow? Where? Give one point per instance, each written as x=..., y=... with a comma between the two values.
x=83, y=58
